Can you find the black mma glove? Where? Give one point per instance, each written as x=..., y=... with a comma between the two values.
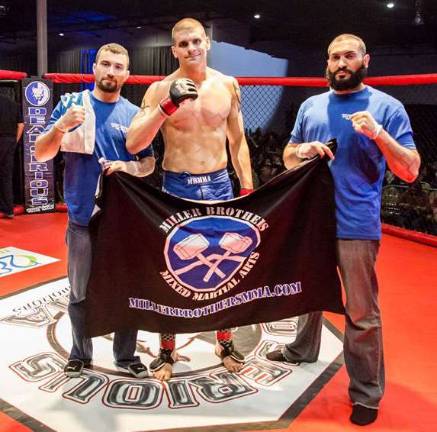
x=180, y=90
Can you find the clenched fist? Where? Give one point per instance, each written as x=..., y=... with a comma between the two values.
x=180, y=90
x=74, y=116
x=364, y=123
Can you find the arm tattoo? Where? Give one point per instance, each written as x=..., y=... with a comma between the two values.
x=143, y=108
x=237, y=94
x=143, y=104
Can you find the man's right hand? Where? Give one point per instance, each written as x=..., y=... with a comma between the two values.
x=312, y=149
x=74, y=116
x=180, y=90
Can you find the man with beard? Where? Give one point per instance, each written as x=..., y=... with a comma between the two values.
x=197, y=109
x=90, y=128
x=371, y=129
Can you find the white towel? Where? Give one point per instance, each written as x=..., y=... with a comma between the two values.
x=83, y=138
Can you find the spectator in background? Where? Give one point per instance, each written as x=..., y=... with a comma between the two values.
x=11, y=129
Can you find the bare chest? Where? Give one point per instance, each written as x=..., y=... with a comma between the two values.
x=210, y=110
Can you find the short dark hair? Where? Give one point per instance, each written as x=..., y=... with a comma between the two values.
x=185, y=24
x=346, y=36
x=115, y=48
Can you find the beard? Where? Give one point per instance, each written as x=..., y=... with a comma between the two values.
x=107, y=85
x=354, y=80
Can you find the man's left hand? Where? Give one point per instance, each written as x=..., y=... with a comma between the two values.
x=364, y=123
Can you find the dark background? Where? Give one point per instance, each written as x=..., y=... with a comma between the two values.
x=401, y=40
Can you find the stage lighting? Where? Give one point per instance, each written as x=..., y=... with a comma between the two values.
x=4, y=9
x=418, y=19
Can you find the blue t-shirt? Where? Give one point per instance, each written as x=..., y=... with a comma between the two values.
x=359, y=166
x=82, y=171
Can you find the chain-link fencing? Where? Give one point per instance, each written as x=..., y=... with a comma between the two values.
x=269, y=112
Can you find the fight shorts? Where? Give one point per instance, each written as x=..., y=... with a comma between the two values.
x=207, y=187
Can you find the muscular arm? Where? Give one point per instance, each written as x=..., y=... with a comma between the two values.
x=145, y=166
x=237, y=141
x=146, y=124
x=48, y=144
x=289, y=156
x=403, y=162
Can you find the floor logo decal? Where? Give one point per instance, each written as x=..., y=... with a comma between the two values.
x=14, y=260
x=35, y=328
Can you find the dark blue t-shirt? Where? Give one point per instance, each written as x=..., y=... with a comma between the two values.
x=359, y=166
x=82, y=171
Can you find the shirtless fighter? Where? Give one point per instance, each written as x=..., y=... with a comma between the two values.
x=196, y=108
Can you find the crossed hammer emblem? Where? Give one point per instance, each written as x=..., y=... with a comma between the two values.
x=194, y=245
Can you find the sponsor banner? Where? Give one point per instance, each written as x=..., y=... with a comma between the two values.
x=35, y=328
x=166, y=264
x=39, y=192
x=14, y=260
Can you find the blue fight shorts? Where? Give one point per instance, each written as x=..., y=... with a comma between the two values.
x=206, y=187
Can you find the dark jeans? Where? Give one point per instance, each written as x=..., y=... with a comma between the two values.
x=79, y=267
x=7, y=152
x=363, y=350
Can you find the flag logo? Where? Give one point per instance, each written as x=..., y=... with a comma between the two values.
x=205, y=253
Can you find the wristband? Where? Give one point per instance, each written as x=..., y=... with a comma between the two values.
x=378, y=130
x=167, y=107
x=245, y=191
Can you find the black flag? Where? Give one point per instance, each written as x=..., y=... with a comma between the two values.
x=165, y=264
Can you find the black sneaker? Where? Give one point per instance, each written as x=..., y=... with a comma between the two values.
x=74, y=368
x=276, y=356
x=362, y=415
x=138, y=370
